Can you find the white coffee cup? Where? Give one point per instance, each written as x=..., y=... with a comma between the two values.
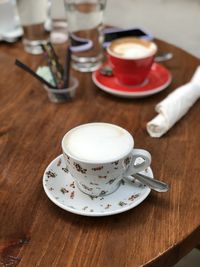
x=99, y=155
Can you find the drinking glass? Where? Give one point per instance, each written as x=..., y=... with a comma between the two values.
x=63, y=95
x=59, y=30
x=33, y=14
x=85, y=25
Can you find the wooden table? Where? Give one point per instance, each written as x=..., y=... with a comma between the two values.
x=35, y=232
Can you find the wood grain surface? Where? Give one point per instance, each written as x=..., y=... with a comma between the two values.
x=35, y=232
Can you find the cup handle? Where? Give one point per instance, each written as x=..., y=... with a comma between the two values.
x=135, y=168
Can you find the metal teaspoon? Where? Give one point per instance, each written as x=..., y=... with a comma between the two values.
x=150, y=182
x=163, y=57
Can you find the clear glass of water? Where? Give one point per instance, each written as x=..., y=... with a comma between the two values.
x=33, y=14
x=59, y=28
x=85, y=24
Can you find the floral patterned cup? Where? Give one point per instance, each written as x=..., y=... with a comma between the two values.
x=99, y=179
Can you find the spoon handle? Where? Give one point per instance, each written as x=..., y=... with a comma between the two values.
x=152, y=183
x=163, y=57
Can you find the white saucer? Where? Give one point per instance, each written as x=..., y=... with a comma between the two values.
x=62, y=191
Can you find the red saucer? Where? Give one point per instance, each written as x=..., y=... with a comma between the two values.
x=158, y=79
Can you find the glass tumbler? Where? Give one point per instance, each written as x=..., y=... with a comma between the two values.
x=85, y=25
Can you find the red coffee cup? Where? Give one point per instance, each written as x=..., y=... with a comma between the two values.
x=131, y=59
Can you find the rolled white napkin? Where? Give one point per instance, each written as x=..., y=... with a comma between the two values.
x=175, y=106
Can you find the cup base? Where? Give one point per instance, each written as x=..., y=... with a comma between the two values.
x=33, y=46
x=101, y=194
x=86, y=64
x=65, y=94
x=59, y=32
x=144, y=83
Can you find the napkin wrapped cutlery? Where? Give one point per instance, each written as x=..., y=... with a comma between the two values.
x=174, y=106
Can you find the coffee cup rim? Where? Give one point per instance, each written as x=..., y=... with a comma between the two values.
x=132, y=58
x=96, y=161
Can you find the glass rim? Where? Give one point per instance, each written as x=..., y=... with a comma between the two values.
x=74, y=84
x=94, y=162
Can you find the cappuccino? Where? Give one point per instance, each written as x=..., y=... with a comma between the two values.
x=132, y=48
x=97, y=142
x=99, y=155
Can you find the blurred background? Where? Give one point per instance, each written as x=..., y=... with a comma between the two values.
x=174, y=21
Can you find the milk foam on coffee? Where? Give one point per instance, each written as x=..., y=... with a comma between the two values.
x=132, y=48
x=98, y=142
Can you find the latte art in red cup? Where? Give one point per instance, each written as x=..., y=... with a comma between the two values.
x=131, y=59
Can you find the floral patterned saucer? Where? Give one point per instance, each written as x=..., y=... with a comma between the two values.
x=62, y=191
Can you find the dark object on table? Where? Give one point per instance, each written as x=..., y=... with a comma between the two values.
x=106, y=71
x=54, y=64
x=66, y=74
x=35, y=75
x=111, y=34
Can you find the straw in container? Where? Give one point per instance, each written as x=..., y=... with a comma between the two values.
x=62, y=95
